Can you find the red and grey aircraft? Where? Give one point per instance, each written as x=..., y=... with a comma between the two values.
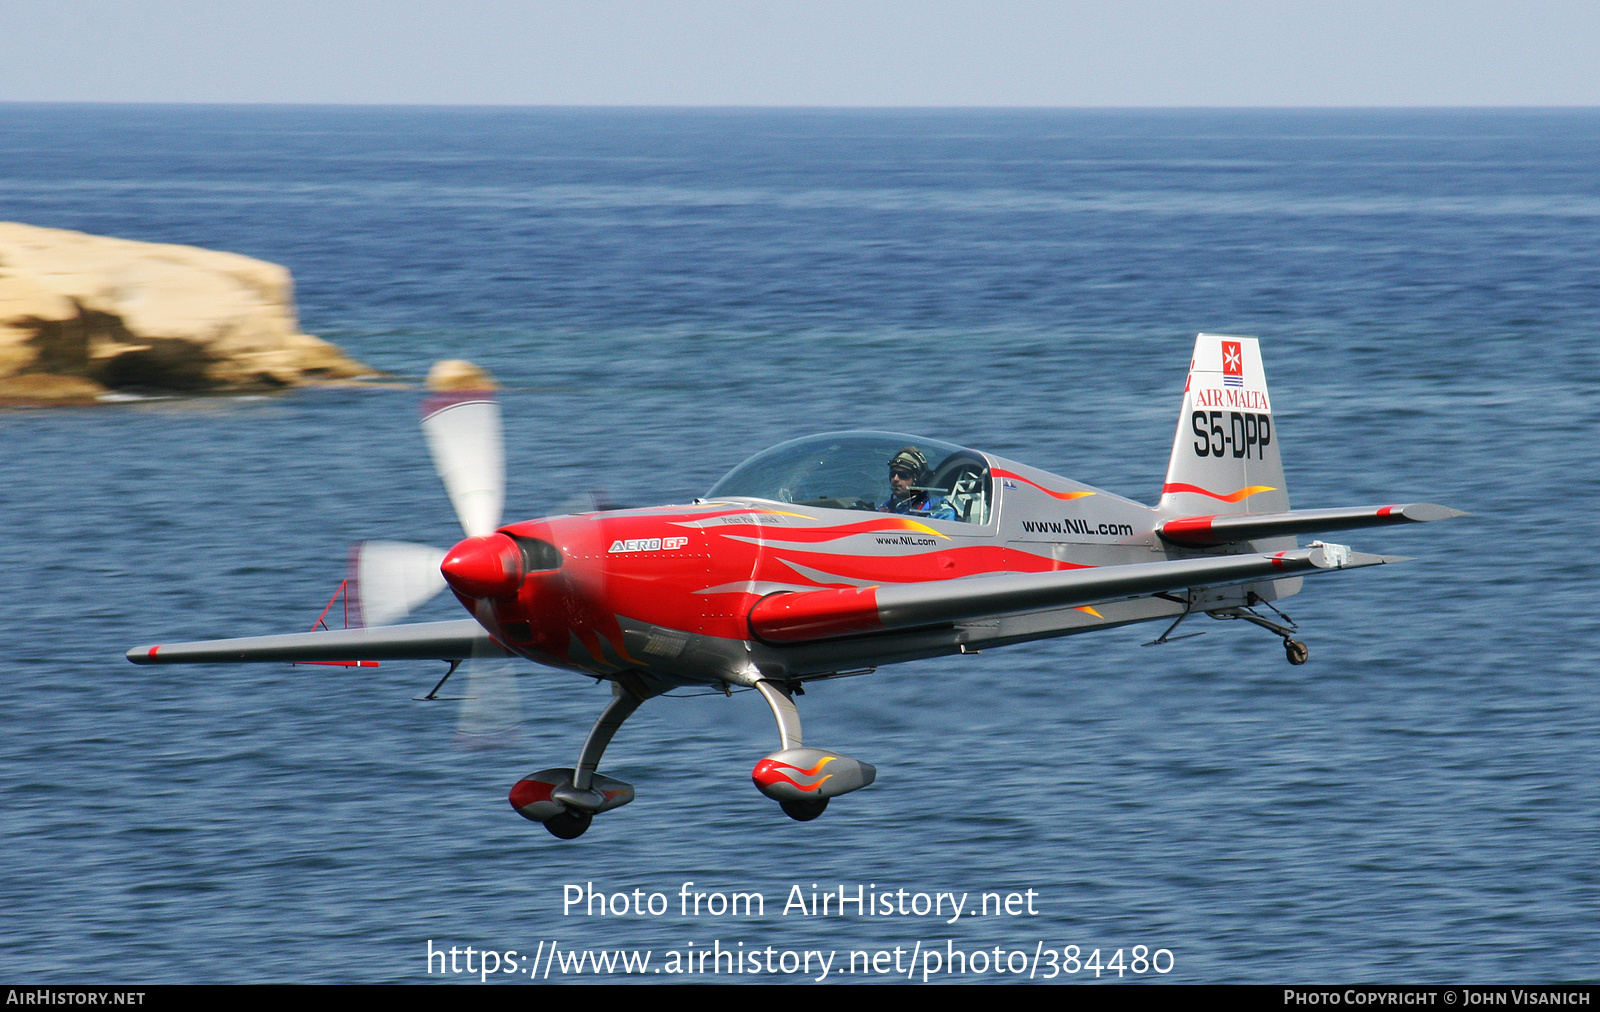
x=832, y=555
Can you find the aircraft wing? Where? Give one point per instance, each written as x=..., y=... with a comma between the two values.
x=853, y=611
x=424, y=641
x=1225, y=528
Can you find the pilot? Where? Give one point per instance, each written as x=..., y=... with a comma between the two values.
x=908, y=474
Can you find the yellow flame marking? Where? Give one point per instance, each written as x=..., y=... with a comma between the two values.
x=912, y=525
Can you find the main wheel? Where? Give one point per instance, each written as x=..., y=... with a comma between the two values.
x=803, y=811
x=570, y=824
x=1296, y=651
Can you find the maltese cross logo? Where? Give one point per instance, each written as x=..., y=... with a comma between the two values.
x=1232, y=364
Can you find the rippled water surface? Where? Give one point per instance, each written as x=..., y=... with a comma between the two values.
x=665, y=293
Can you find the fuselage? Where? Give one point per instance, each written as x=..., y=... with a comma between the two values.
x=670, y=590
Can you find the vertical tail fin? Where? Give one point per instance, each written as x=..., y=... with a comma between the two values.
x=1225, y=454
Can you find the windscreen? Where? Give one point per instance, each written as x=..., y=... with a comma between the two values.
x=852, y=471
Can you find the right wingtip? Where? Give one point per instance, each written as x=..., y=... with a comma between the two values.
x=1424, y=512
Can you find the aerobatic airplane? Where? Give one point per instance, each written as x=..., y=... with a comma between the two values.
x=832, y=555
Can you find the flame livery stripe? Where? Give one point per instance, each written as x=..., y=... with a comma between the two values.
x=1063, y=496
x=915, y=567
x=1239, y=496
x=802, y=770
x=771, y=771
x=770, y=777
x=817, y=535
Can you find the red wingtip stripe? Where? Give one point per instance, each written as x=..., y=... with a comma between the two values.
x=1385, y=511
x=153, y=651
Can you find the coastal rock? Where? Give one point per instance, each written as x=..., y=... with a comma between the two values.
x=450, y=375
x=92, y=313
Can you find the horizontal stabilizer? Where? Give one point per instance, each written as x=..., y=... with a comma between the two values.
x=425, y=641
x=1227, y=528
x=854, y=611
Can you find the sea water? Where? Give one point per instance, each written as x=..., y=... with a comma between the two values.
x=662, y=294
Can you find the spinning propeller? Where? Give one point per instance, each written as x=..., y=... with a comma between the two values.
x=461, y=423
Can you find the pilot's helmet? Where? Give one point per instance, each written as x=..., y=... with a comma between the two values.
x=910, y=459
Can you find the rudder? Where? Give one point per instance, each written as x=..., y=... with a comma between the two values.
x=1225, y=455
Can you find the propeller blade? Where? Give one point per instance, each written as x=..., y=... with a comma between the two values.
x=394, y=577
x=461, y=421
x=491, y=705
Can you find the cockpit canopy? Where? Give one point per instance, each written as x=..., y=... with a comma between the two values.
x=850, y=471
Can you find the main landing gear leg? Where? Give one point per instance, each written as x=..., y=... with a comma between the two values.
x=784, y=710
x=628, y=692
x=1296, y=651
x=800, y=779
x=565, y=801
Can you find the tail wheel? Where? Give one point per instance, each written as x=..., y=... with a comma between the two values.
x=802, y=811
x=1296, y=651
x=571, y=824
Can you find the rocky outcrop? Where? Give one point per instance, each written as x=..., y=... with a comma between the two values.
x=81, y=315
x=451, y=375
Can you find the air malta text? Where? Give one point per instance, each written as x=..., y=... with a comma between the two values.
x=1249, y=400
